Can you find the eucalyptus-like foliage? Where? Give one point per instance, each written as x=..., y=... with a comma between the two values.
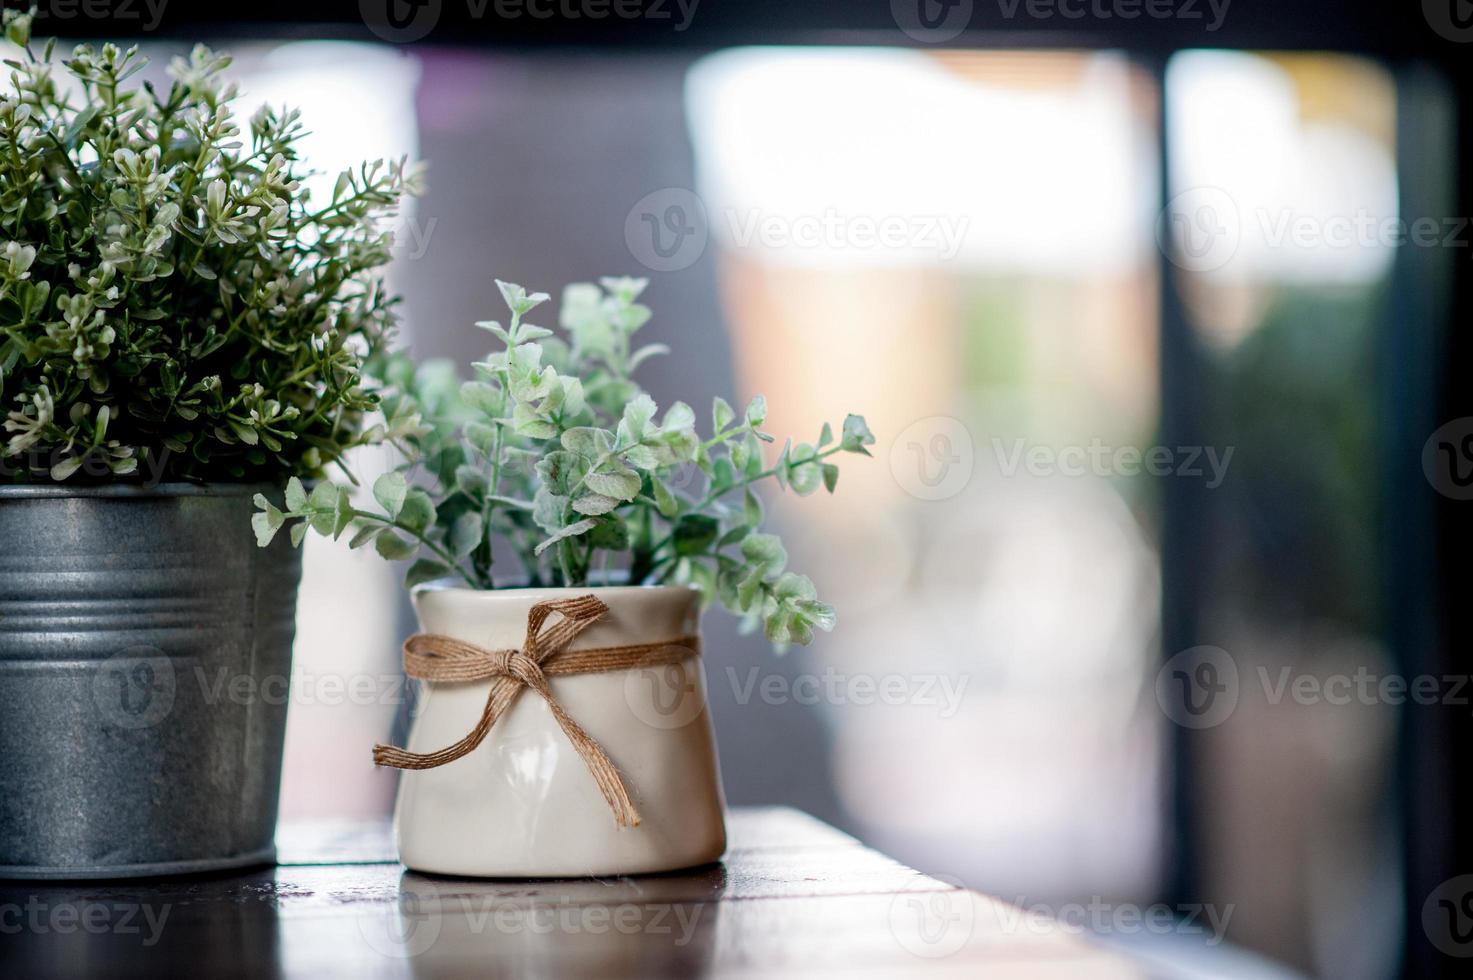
x=555, y=449
x=171, y=301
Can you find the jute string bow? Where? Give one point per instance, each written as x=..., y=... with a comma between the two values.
x=434, y=657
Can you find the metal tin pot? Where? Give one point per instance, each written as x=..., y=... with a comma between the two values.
x=145, y=653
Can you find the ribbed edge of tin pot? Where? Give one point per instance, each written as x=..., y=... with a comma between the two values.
x=103, y=872
x=30, y=491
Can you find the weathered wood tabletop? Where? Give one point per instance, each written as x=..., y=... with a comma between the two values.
x=793, y=897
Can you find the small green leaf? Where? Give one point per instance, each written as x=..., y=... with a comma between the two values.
x=751, y=508
x=636, y=419
x=830, y=476
x=561, y=470
x=343, y=512
x=390, y=491
x=266, y=524
x=856, y=435
x=643, y=457
x=721, y=414
x=571, y=531
x=466, y=534
x=621, y=485
x=296, y=495
x=365, y=534
x=471, y=481
x=611, y=534
x=66, y=468
x=526, y=422
x=765, y=550
x=804, y=475
x=739, y=452
x=425, y=570
x=733, y=536
x=418, y=511
x=393, y=547
x=749, y=589
x=665, y=501
x=594, y=504
x=588, y=442
x=791, y=585
x=694, y=533
x=819, y=614
x=757, y=411
x=481, y=436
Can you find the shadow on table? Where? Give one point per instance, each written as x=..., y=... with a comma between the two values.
x=197, y=925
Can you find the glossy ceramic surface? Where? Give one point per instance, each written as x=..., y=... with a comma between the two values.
x=522, y=804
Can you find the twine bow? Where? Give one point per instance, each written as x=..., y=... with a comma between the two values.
x=434, y=657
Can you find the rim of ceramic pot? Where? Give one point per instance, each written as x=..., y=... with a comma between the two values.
x=35, y=491
x=455, y=585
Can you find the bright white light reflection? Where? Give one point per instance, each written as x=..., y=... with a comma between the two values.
x=1032, y=179
x=1316, y=200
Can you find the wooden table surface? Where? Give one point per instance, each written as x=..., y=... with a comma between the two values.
x=793, y=897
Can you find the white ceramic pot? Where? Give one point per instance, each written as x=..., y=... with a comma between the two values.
x=523, y=803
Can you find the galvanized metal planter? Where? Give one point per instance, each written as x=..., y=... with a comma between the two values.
x=145, y=652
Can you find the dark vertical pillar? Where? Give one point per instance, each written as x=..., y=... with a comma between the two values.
x=1424, y=355
x=1182, y=529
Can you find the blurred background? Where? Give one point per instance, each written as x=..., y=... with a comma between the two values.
x=1156, y=346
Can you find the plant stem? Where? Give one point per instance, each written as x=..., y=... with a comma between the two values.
x=439, y=551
